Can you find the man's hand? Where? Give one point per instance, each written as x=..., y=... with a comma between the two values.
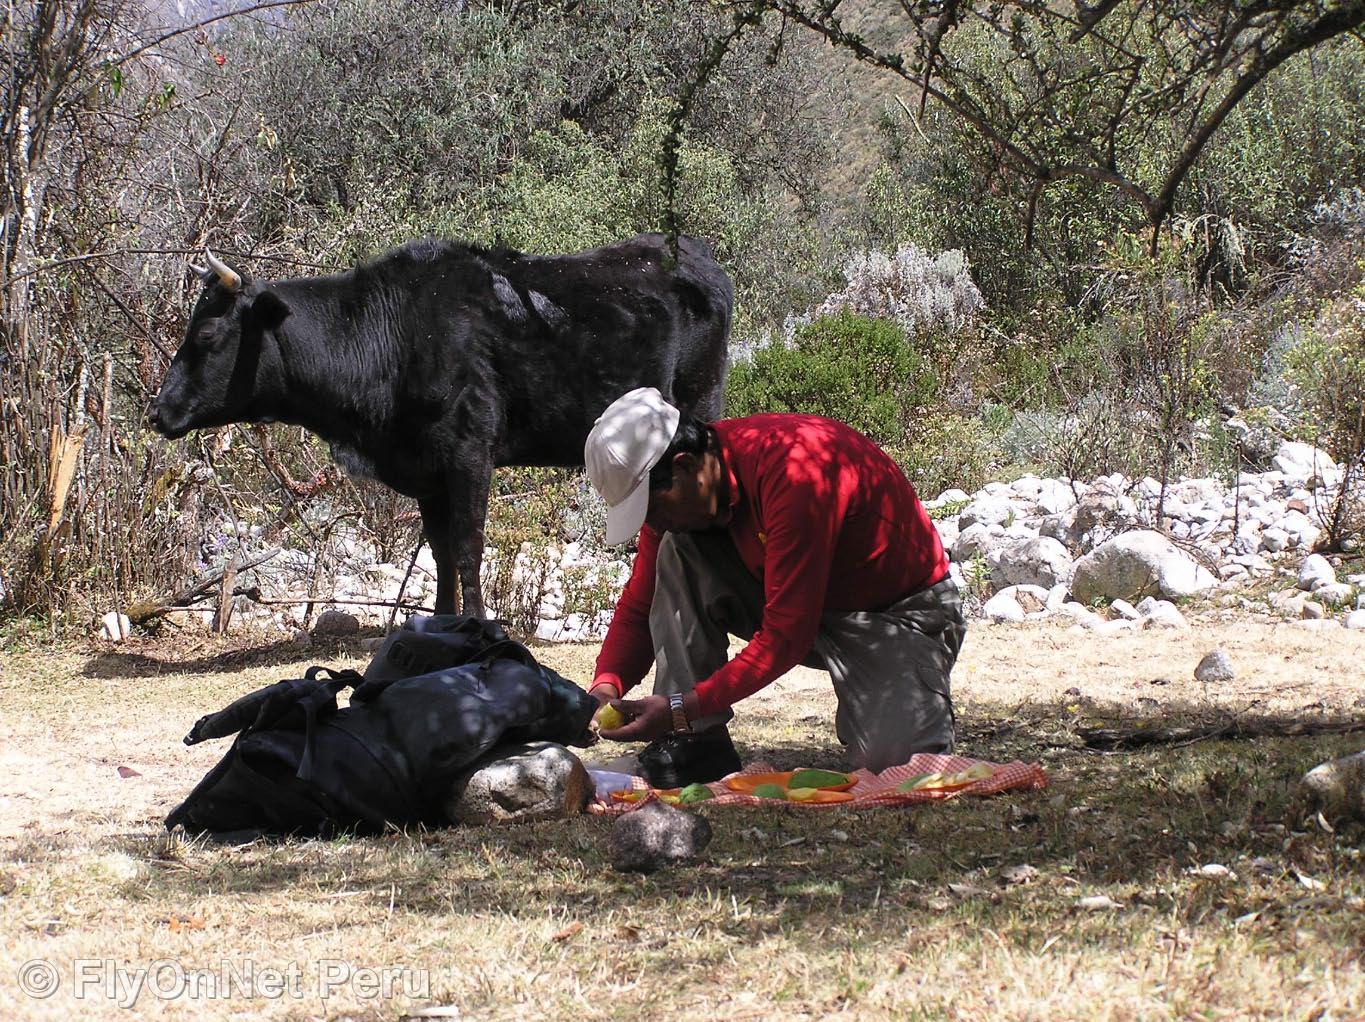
x=648, y=718
x=603, y=694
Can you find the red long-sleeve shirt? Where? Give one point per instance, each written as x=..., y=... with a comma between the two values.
x=823, y=517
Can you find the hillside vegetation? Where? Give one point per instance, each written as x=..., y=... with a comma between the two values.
x=889, y=270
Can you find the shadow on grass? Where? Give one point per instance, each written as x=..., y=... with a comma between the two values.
x=1130, y=824
x=135, y=664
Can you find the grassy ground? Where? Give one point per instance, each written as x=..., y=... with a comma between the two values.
x=966, y=910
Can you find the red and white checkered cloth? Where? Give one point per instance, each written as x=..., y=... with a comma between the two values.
x=872, y=789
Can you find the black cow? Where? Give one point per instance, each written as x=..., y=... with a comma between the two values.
x=436, y=362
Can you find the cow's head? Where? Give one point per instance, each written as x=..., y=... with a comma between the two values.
x=213, y=379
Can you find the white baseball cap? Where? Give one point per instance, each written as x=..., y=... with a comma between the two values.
x=626, y=441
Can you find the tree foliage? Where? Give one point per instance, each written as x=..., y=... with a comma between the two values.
x=1121, y=93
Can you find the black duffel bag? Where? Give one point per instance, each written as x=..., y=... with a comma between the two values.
x=302, y=766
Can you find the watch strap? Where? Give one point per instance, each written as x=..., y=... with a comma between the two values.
x=680, y=722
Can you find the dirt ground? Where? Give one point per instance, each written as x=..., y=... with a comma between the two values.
x=886, y=916
x=103, y=707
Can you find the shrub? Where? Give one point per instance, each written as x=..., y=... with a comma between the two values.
x=853, y=368
x=924, y=294
x=945, y=449
x=1327, y=367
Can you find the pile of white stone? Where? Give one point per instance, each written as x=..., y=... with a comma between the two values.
x=1039, y=548
x=1096, y=553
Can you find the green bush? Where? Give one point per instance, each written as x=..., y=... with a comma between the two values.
x=858, y=370
x=946, y=449
x=1327, y=368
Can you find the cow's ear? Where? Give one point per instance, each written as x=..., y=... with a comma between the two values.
x=269, y=310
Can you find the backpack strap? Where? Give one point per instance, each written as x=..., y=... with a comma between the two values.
x=320, y=702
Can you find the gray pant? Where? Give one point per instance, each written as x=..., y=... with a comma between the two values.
x=889, y=667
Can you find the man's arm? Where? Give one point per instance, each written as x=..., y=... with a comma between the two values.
x=805, y=500
x=628, y=651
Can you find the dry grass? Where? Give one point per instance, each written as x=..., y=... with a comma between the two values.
x=901, y=914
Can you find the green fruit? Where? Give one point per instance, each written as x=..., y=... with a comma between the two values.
x=771, y=791
x=818, y=779
x=912, y=783
x=694, y=793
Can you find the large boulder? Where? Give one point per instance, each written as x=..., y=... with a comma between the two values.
x=517, y=782
x=1135, y=565
x=655, y=835
x=1037, y=561
x=1336, y=788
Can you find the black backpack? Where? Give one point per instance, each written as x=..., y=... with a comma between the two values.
x=302, y=766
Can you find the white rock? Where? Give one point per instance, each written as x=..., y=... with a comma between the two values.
x=1037, y=560
x=1125, y=609
x=1138, y=564
x=426, y=561
x=1317, y=624
x=1056, y=596
x=1274, y=539
x=1115, y=627
x=987, y=511
x=952, y=496
x=1055, y=496
x=977, y=540
x=1003, y=607
x=1302, y=530
x=1316, y=571
x=947, y=532
x=115, y=626
x=1252, y=562
x=518, y=782
x=1146, y=605
x=1300, y=462
x=1081, y=614
x=1214, y=666
x=1164, y=615
x=336, y=622
x=1338, y=594
x=1336, y=788
x=1356, y=619
x=1212, y=871
x=1288, y=601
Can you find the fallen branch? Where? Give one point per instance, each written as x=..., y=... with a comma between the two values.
x=1118, y=737
x=253, y=593
x=141, y=613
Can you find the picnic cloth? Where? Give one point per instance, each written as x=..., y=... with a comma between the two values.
x=869, y=789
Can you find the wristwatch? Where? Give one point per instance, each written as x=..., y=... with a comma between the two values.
x=680, y=724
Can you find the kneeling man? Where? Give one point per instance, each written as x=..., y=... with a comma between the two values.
x=795, y=532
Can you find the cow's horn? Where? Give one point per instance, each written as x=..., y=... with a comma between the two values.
x=201, y=272
x=230, y=278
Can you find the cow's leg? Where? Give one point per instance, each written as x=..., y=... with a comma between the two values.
x=468, y=512
x=436, y=521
